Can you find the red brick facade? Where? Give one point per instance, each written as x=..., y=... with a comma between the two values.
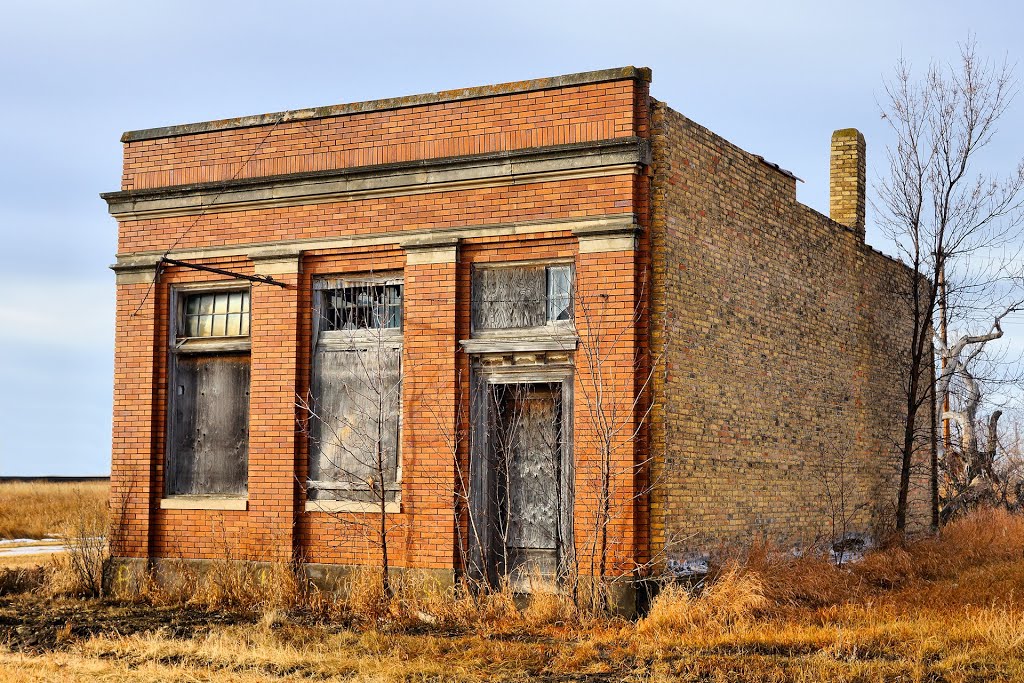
x=430, y=186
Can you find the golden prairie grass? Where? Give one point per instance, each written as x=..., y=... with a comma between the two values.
x=39, y=509
x=943, y=609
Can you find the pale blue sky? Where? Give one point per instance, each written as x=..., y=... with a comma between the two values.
x=775, y=78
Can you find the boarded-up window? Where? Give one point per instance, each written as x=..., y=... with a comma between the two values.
x=210, y=450
x=356, y=391
x=521, y=296
x=208, y=443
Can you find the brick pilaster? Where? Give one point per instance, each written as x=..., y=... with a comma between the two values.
x=429, y=403
x=135, y=423
x=273, y=434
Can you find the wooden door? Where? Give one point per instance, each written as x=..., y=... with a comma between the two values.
x=526, y=457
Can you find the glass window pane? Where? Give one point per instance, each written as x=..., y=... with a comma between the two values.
x=361, y=307
x=207, y=315
x=559, y=293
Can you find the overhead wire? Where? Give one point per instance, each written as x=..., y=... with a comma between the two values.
x=203, y=212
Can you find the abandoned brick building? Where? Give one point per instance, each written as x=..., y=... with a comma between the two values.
x=524, y=326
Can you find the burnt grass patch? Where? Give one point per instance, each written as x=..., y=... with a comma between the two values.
x=34, y=625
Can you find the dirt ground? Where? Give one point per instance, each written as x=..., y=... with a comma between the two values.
x=31, y=624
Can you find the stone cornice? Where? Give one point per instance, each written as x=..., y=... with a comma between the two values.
x=577, y=160
x=584, y=78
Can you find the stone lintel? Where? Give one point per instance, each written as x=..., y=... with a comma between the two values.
x=145, y=262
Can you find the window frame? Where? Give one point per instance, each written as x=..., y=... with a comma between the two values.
x=180, y=294
x=177, y=346
x=347, y=338
x=354, y=340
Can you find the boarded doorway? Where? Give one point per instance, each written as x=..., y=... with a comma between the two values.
x=523, y=480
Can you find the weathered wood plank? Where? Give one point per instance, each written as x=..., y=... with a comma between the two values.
x=507, y=298
x=210, y=425
x=355, y=433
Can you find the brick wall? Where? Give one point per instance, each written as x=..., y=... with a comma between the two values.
x=437, y=299
x=584, y=113
x=773, y=332
x=781, y=338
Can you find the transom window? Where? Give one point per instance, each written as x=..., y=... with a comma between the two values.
x=522, y=296
x=366, y=305
x=216, y=314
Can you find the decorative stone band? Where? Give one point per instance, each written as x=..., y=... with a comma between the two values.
x=428, y=250
x=595, y=239
x=577, y=160
x=279, y=262
x=597, y=233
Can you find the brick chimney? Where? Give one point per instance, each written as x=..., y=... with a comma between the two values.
x=847, y=183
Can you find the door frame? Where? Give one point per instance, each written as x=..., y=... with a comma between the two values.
x=484, y=562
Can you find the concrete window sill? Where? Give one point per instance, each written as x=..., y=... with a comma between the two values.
x=350, y=506
x=203, y=503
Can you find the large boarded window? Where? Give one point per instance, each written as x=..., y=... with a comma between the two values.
x=521, y=296
x=356, y=391
x=208, y=448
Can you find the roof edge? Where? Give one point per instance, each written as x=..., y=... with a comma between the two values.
x=549, y=83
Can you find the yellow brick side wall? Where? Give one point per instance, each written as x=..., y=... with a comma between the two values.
x=779, y=333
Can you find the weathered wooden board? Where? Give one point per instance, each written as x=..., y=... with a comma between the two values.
x=210, y=425
x=533, y=475
x=354, y=436
x=509, y=298
x=526, y=452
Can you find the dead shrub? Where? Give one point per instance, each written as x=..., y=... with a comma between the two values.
x=808, y=580
x=21, y=579
x=230, y=585
x=79, y=571
x=734, y=595
x=984, y=537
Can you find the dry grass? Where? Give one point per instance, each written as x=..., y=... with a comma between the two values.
x=946, y=609
x=40, y=509
x=22, y=561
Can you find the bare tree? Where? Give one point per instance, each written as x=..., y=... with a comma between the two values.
x=945, y=217
x=833, y=471
x=615, y=409
x=973, y=381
